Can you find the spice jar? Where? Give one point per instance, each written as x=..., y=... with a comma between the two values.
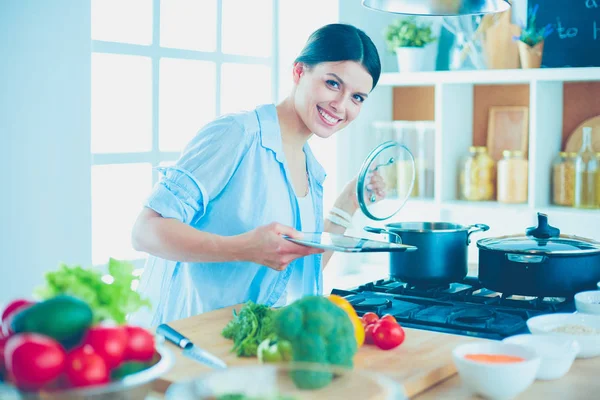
x=586, y=168
x=477, y=175
x=563, y=179
x=512, y=177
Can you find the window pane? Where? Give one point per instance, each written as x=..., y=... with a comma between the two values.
x=118, y=194
x=244, y=86
x=121, y=103
x=247, y=27
x=295, y=26
x=187, y=92
x=122, y=21
x=188, y=24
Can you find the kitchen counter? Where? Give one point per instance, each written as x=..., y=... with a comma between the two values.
x=429, y=375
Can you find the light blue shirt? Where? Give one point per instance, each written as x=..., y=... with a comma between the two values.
x=231, y=178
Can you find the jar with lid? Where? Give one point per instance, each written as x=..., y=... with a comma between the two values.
x=563, y=179
x=512, y=177
x=477, y=175
x=586, y=167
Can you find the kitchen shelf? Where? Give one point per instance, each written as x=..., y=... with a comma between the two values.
x=500, y=76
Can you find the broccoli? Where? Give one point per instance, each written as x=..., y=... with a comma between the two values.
x=320, y=332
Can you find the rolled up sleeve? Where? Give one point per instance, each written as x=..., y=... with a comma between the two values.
x=203, y=170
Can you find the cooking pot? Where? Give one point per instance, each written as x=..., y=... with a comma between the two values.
x=441, y=255
x=542, y=263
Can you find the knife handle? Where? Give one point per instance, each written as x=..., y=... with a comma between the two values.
x=173, y=336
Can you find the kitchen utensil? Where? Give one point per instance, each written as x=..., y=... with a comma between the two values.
x=132, y=387
x=588, y=302
x=557, y=354
x=274, y=381
x=576, y=137
x=429, y=354
x=396, y=165
x=348, y=244
x=189, y=349
x=583, y=328
x=541, y=263
x=496, y=381
x=438, y=7
x=441, y=255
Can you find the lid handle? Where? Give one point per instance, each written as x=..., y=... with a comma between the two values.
x=543, y=230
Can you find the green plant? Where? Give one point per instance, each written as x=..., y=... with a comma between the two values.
x=407, y=32
x=530, y=34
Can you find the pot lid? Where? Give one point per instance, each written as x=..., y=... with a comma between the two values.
x=543, y=239
x=395, y=165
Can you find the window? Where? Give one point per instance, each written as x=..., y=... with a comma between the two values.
x=161, y=69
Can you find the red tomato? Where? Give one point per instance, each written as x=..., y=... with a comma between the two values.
x=10, y=311
x=369, y=318
x=109, y=342
x=33, y=360
x=369, y=333
x=389, y=317
x=140, y=346
x=85, y=367
x=387, y=335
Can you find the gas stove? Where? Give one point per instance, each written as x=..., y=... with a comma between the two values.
x=461, y=308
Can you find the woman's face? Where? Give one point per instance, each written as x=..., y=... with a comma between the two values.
x=330, y=95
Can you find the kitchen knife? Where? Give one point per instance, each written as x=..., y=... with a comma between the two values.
x=189, y=349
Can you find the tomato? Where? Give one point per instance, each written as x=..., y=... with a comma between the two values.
x=370, y=318
x=33, y=360
x=388, y=334
x=14, y=306
x=389, y=317
x=85, y=367
x=109, y=342
x=140, y=344
x=369, y=333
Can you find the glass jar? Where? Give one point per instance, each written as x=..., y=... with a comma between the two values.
x=598, y=181
x=563, y=179
x=586, y=167
x=512, y=177
x=477, y=175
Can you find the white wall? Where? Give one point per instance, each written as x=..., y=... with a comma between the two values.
x=44, y=140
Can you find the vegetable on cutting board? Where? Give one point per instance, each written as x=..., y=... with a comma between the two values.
x=319, y=332
x=249, y=328
x=274, y=350
x=385, y=332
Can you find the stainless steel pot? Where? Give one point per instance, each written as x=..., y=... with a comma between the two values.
x=441, y=255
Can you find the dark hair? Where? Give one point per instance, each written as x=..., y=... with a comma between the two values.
x=341, y=42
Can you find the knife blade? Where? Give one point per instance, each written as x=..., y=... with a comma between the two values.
x=189, y=349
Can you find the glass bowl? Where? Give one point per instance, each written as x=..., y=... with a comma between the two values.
x=290, y=381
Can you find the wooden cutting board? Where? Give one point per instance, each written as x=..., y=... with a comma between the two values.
x=422, y=361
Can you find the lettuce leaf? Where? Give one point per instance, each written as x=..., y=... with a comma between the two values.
x=112, y=299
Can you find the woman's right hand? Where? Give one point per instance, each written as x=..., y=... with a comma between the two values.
x=266, y=246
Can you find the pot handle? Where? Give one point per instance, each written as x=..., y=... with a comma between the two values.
x=476, y=228
x=370, y=229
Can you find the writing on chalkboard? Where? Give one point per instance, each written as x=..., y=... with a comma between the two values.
x=576, y=41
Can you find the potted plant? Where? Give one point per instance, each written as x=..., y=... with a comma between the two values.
x=409, y=39
x=531, y=41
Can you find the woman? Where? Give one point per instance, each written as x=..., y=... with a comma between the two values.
x=213, y=225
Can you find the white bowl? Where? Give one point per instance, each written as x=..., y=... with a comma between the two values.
x=589, y=343
x=496, y=381
x=588, y=302
x=557, y=353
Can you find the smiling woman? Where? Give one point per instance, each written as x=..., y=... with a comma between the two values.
x=214, y=224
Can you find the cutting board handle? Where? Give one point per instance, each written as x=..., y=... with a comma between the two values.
x=173, y=336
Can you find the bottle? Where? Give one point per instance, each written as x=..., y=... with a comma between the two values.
x=563, y=179
x=512, y=177
x=586, y=166
x=477, y=175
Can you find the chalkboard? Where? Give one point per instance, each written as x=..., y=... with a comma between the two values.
x=575, y=41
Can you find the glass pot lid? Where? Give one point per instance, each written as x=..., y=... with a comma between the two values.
x=543, y=239
x=385, y=181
